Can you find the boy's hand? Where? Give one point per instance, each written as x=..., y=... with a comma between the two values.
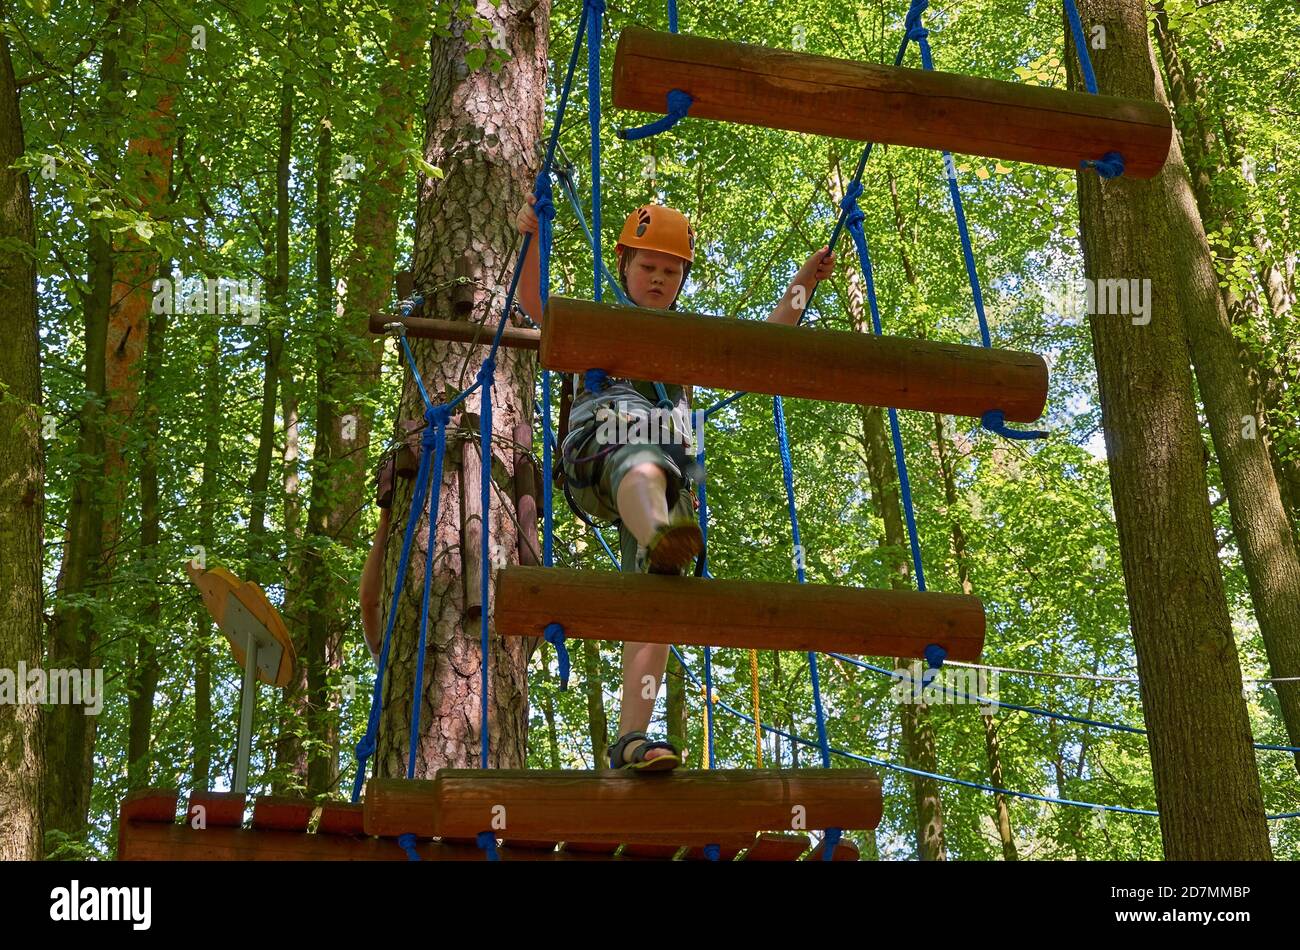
x=815, y=269
x=526, y=219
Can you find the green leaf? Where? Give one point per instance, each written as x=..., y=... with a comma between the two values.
x=475, y=58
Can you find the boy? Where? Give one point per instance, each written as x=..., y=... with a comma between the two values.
x=639, y=485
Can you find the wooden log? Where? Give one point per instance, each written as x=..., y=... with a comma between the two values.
x=771, y=847
x=763, y=615
x=144, y=841
x=459, y=331
x=725, y=853
x=341, y=818
x=276, y=813
x=650, y=852
x=762, y=357
x=821, y=95
x=844, y=851
x=720, y=806
x=216, y=809
x=527, y=495
x=149, y=804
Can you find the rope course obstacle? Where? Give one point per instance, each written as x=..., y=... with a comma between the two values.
x=710, y=814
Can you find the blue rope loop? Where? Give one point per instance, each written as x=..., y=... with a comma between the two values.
x=832, y=838
x=934, y=657
x=595, y=380
x=1110, y=165
x=713, y=852
x=994, y=421
x=679, y=104
x=554, y=635
x=407, y=841
x=487, y=372
x=487, y=841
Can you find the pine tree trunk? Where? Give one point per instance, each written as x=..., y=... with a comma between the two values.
x=483, y=133
x=22, y=485
x=1206, y=783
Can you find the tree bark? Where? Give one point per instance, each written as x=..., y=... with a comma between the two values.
x=1207, y=787
x=22, y=485
x=1260, y=522
x=483, y=133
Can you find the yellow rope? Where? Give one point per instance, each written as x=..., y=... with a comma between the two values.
x=704, y=758
x=758, y=729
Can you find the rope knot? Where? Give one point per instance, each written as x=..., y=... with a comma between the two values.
x=679, y=102
x=487, y=372
x=407, y=841
x=554, y=635
x=365, y=748
x=849, y=203
x=544, y=206
x=1110, y=165
x=713, y=852
x=488, y=842
x=437, y=417
x=915, y=31
x=934, y=657
x=595, y=380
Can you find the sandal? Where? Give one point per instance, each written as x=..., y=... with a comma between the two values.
x=640, y=763
x=674, y=546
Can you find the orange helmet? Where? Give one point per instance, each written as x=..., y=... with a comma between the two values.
x=659, y=228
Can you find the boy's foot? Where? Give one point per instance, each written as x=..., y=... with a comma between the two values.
x=674, y=546
x=635, y=751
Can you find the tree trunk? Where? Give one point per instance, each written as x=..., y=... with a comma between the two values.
x=483, y=133
x=1260, y=522
x=73, y=635
x=274, y=323
x=1207, y=787
x=22, y=485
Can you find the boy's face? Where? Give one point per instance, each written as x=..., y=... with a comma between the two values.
x=653, y=277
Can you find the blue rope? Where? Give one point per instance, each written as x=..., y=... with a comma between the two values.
x=1110, y=165
x=829, y=842
x=555, y=637
x=407, y=841
x=672, y=16
x=713, y=852
x=594, y=10
x=487, y=841
x=787, y=476
x=679, y=104
x=435, y=438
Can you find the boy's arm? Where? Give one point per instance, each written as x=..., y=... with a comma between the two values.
x=795, y=299
x=529, y=291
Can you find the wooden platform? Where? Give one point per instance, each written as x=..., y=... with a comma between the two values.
x=763, y=615
x=803, y=92
x=762, y=357
x=719, y=806
x=212, y=828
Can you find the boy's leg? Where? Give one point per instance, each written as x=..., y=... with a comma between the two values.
x=370, y=587
x=643, y=500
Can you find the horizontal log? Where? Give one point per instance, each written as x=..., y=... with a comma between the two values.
x=762, y=615
x=722, y=806
x=147, y=841
x=770, y=847
x=764, y=357
x=821, y=95
x=459, y=331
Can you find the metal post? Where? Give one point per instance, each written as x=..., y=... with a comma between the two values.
x=247, y=699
